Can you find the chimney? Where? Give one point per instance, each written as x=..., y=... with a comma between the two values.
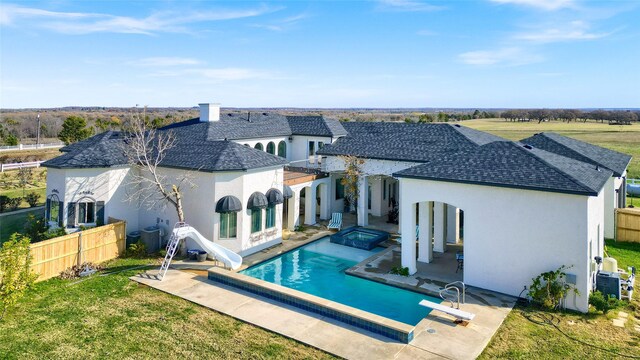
x=209, y=112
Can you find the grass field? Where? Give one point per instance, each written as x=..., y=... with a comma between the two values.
x=112, y=317
x=622, y=138
x=521, y=338
x=11, y=223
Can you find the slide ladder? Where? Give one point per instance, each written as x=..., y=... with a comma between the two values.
x=172, y=248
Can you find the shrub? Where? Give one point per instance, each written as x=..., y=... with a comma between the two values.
x=15, y=272
x=137, y=250
x=549, y=288
x=14, y=203
x=32, y=198
x=397, y=270
x=603, y=304
x=37, y=229
x=4, y=203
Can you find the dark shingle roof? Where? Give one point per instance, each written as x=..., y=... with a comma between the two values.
x=219, y=156
x=102, y=150
x=405, y=141
x=509, y=164
x=237, y=126
x=315, y=126
x=579, y=150
x=191, y=151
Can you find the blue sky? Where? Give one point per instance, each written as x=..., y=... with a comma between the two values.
x=392, y=53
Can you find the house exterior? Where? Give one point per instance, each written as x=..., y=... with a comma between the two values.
x=518, y=208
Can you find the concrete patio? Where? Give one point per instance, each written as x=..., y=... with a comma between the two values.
x=436, y=337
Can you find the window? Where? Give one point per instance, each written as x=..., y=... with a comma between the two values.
x=282, y=149
x=256, y=220
x=271, y=148
x=320, y=145
x=312, y=148
x=339, y=189
x=228, y=225
x=271, y=216
x=86, y=213
x=258, y=146
x=54, y=208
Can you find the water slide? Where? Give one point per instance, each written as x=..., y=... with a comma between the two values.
x=228, y=257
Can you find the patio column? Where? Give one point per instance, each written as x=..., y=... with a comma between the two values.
x=293, y=210
x=453, y=224
x=363, y=201
x=408, y=226
x=425, y=245
x=325, y=201
x=439, y=218
x=310, y=205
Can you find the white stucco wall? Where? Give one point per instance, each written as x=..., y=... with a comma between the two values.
x=199, y=207
x=511, y=235
x=610, y=203
x=300, y=146
x=99, y=184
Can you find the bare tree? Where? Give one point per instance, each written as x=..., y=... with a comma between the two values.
x=145, y=149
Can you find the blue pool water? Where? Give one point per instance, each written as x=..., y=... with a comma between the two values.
x=319, y=268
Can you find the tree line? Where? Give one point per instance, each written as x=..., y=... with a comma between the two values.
x=623, y=117
x=18, y=126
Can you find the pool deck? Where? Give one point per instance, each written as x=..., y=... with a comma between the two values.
x=435, y=337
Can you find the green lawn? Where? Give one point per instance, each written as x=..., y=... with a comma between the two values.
x=622, y=138
x=112, y=317
x=10, y=223
x=520, y=338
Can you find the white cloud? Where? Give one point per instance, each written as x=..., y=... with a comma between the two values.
x=407, y=5
x=217, y=74
x=283, y=24
x=86, y=23
x=164, y=61
x=574, y=31
x=549, y=5
x=510, y=56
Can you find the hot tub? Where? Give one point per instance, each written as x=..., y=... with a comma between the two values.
x=359, y=237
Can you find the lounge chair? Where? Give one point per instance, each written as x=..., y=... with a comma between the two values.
x=336, y=221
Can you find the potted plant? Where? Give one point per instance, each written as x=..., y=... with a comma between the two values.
x=202, y=256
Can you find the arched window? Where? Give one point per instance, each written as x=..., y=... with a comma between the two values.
x=85, y=211
x=271, y=148
x=282, y=149
x=53, y=208
x=258, y=146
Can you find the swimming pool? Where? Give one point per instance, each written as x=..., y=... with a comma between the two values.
x=319, y=268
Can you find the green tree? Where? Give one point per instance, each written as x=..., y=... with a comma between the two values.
x=15, y=272
x=10, y=139
x=74, y=129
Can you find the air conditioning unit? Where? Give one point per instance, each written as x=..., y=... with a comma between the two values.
x=608, y=283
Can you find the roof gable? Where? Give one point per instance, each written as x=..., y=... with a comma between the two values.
x=580, y=150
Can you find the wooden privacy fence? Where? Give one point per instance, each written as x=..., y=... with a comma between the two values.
x=51, y=257
x=628, y=225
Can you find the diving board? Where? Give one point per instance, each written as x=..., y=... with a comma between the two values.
x=457, y=313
